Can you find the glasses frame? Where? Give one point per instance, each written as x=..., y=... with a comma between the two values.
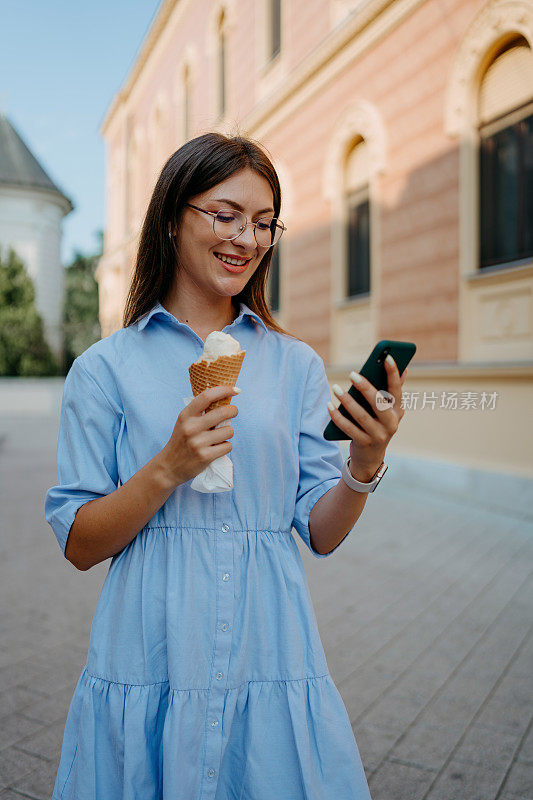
x=215, y=214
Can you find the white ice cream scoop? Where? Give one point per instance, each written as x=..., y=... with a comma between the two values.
x=218, y=344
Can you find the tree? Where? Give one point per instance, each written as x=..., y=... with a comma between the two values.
x=80, y=314
x=24, y=350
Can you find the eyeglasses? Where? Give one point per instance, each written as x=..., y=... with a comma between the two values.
x=229, y=225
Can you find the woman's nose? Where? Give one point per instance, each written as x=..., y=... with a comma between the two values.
x=247, y=237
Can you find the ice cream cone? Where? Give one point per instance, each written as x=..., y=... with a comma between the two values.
x=223, y=371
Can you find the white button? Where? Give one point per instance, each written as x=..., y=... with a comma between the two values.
x=225, y=577
x=224, y=626
x=219, y=676
x=225, y=528
x=214, y=723
x=211, y=773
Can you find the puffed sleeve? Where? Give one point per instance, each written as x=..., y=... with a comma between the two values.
x=86, y=453
x=320, y=459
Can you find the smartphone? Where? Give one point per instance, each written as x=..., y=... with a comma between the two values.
x=375, y=371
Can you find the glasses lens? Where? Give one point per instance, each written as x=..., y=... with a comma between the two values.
x=228, y=224
x=268, y=232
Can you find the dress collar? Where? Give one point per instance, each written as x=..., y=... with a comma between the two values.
x=160, y=310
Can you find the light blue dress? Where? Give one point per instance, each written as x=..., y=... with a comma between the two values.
x=206, y=677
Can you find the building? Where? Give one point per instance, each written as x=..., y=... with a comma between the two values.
x=31, y=211
x=403, y=136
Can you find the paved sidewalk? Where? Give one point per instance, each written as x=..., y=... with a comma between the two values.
x=424, y=612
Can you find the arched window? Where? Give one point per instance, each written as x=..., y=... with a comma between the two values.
x=136, y=178
x=222, y=65
x=505, y=120
x=357, y=202
x=274, y=27
x=186, y=102
x=158, y=152
x=273, y=280
x=130, y=175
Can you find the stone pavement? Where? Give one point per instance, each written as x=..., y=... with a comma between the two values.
x=425, y=613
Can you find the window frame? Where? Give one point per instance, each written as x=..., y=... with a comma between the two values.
x=276, y=253
x=186, y=87
x=275, y=35
x=354, y=199
x=221, y=65
x=486, y=132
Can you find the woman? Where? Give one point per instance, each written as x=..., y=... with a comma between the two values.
x=205, y=676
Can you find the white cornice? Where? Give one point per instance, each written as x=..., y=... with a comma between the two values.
x=147, y=45
x=341, y=47
x=450, y=369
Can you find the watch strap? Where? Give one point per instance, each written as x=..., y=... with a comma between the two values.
x=359, y=486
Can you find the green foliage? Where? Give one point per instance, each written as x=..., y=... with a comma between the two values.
x=80, y=314
x=23, y=347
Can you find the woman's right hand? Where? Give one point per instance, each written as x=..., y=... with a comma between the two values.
x=195, y=442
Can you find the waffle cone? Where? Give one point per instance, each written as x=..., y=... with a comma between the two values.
x=223, y=371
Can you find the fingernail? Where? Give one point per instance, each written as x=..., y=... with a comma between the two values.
x=390, y=360
x=331, y=406
x=337, y=389
x=355, y=376
x=236, y=390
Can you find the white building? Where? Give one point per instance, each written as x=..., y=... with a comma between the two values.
x=31, y=210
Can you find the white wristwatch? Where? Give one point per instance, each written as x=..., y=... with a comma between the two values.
x=358, y=486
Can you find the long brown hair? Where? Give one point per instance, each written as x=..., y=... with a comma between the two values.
x=197, y=166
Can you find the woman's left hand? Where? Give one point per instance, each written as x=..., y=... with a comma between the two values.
x=367, y=447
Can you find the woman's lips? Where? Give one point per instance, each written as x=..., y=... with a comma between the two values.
x=232, y=267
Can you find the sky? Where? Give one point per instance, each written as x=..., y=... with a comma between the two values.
x=61, y=64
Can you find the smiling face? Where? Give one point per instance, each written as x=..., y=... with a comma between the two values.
x=199, y=248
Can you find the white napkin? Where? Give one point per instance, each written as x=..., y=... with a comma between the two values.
x=218, y=475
